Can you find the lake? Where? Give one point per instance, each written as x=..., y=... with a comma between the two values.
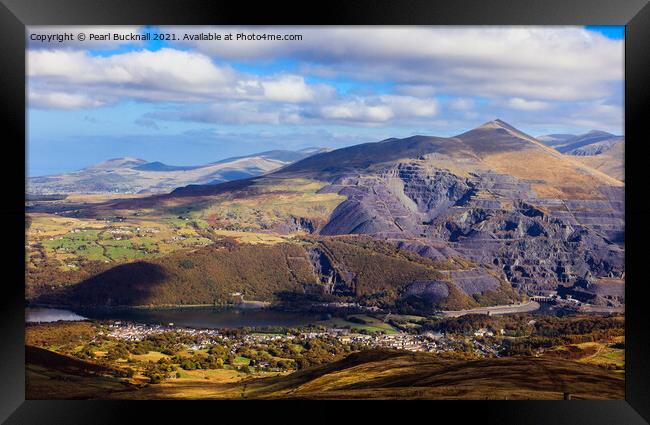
x=47, y=315
x=191, y=317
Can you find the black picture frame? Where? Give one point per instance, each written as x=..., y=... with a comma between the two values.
x=16, y=14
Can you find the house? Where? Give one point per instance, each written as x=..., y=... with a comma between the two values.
x=483, y=332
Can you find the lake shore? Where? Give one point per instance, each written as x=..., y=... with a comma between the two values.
x=244, y=305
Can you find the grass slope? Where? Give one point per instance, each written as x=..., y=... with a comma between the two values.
x=375, y=273
x=382, y=374
x=51, y=375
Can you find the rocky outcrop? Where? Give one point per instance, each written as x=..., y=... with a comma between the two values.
x=334, y=278
x=493, y=219
x=297, y=224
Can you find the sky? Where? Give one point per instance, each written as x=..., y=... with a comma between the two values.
x=189, y=101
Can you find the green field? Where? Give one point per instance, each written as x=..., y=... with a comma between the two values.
x=370, y=324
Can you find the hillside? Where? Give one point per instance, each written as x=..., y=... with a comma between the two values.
x=313, y=269
x=133, y=175
x=592, y=143
x=610, y=162
x=493, y=194
x=386, y=375
x=45, y=371
x=599, y=150
x=496, y=203
x=383, y=375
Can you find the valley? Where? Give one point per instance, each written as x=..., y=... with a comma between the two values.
x=426, y=265
x=410, y=357
x=420, y=224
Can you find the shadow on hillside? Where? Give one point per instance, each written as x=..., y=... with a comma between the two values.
x=124, y=285
x=299, y=298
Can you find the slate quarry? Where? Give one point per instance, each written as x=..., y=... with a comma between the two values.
x=496, y=220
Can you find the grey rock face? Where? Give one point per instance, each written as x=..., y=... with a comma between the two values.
x=297, y=224
x=608, y=293
x=334, y=278
x=432, y=292
x=492, y=219
x=476, y=281
x=435, y=250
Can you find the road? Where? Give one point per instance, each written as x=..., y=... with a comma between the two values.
x=494, y=310
x=586, y=308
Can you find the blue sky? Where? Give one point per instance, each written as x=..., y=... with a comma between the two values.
x=193, y=102
x=615, y=32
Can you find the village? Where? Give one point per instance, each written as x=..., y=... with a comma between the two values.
x=431, y=342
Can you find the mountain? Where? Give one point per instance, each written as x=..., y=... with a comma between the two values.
x=591, y=143
x=555, y=139
x=598, y=149
x=133, y=175
x=494, y=195
x=124, y=162
x=493, y=146
x=610, y=162
x=464, y=219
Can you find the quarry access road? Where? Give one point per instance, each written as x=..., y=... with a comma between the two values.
x=496, y=309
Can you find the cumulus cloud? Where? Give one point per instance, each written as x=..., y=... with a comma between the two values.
x=233, y=112
x=358, y=110
x=555, y=63
x=170, y=75
x=162, y=75
x=394, y=75
x=526, y=105
x=62, y=100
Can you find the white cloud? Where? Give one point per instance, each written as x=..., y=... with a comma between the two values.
x=166, y=74
x=234, y=113
x=562, y=74
x=410, y=106
x=377, y=109
x=163, y=75
x=283, y=88
x=417, y=90
x=544, y=63
x=357, y=111
x=526, y=105
x=61, y=100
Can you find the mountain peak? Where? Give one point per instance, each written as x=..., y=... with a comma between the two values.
x=500, y=124
x=499, y=121
x=497, y=125
x=598, y=133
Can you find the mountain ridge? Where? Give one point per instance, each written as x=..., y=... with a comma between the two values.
x=511, y=210
x=135, y=175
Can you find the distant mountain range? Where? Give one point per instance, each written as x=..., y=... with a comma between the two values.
x=597, y=149
x=135, y=175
